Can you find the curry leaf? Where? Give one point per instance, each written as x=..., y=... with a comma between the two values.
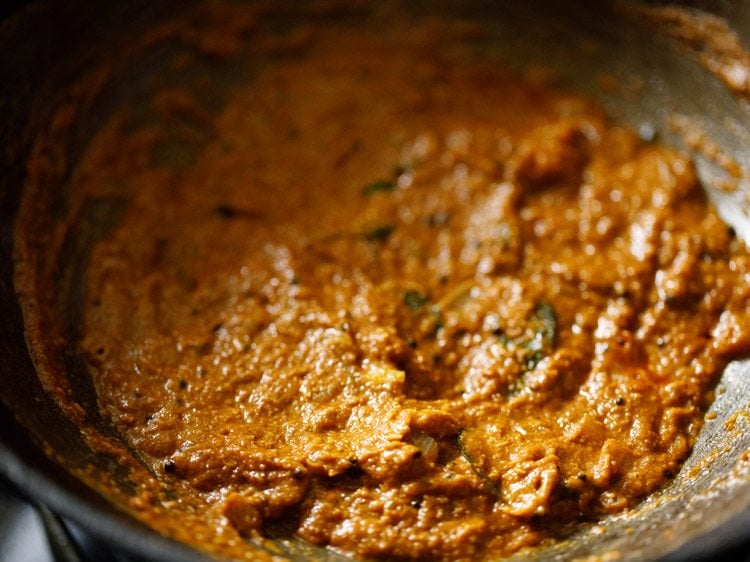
x=414, y=300
x=380, y=233
x=437, y=316
x=544, y=323
x=489, y=484
x=378, y=187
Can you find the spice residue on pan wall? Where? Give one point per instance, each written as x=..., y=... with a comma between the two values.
x=710, y=39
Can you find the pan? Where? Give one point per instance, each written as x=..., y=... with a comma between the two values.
x=671, y=71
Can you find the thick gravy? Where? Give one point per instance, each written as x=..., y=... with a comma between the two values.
x=403, y=302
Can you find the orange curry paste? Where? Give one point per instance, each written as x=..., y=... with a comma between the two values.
x=404, y=303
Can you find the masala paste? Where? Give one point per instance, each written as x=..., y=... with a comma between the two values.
x=403, y=302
